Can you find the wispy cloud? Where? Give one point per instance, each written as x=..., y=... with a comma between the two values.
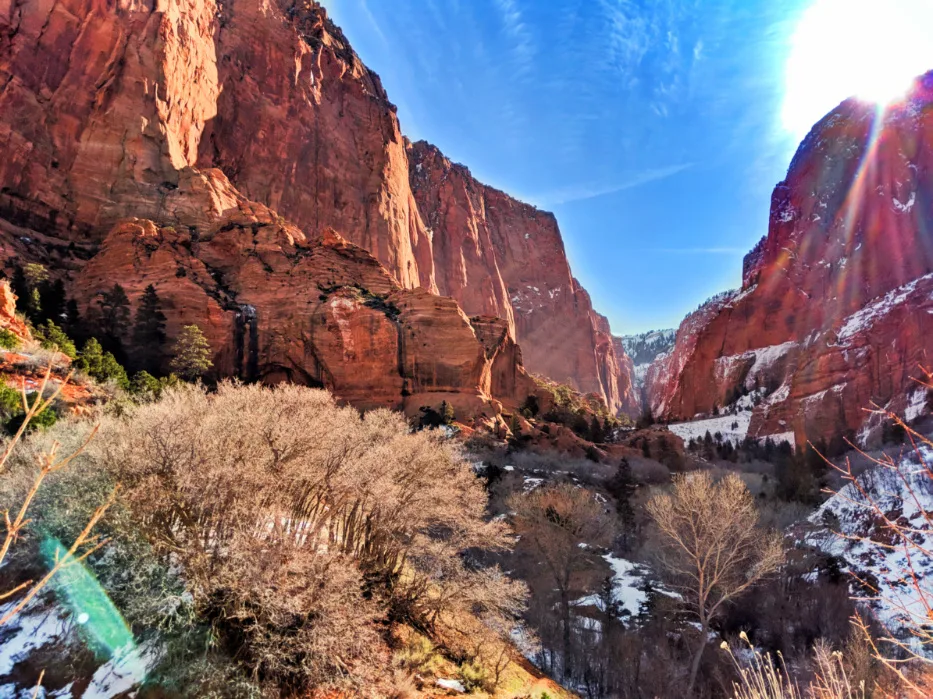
x=523, y=48
x=581, y=192
x=698, y=251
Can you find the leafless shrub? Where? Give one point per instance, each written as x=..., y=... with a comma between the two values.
x=555, y=521
x=299, y=525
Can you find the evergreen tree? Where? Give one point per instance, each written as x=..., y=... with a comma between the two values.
x=114, y=320
x=597, y=433
x=72, y=322
x=51, y=336
x=27, y=283
x=145, y=386
x=622, y=487
x=149, y=332
x=52, y=299
x=101, y=365
x=447, y=413
x=192, y=354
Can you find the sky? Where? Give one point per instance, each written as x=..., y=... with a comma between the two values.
x=655, y=130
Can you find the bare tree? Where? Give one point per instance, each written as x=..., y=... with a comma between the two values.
x=882, y=497
x=711, y=547
x=555, y=521
x=50, y=461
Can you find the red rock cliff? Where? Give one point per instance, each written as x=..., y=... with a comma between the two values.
x=498, y=256
x=192, y=146
x=833, y=312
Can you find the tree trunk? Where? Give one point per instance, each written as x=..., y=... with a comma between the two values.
x=695, y=665
x=565, y=620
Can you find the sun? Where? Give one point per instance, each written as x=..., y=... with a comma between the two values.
x=869, y=49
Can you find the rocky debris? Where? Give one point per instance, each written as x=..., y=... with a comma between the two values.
x=832, y=315
x=498, y=256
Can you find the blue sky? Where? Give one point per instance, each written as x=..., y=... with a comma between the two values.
x=651, y=128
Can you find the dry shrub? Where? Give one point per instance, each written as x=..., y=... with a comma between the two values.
x=301, y=526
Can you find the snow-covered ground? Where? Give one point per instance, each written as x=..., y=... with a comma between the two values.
x=733, y=428
x=43, y=624
x=848, y=527
x=629, y=584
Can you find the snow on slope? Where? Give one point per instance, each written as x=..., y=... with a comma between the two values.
x=866, y=316
x=645, y=347
x=733, y=428
x=849, y=528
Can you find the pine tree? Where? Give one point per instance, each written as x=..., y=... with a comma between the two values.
x=622, y=487
x=72, y=322
x=447, y=413
x=101, y=365
x=114, y=319
x=51, y=336
x=192, y=354
x=597, y=433
x=52, y=298
x=33, y=276
x=149, y=332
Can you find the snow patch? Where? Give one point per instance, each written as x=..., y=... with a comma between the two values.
x=455, y=685
x=906, y=206
x=916, y=405
x=866, y=317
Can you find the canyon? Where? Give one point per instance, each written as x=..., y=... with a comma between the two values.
x=241, y=158
x=834, y=314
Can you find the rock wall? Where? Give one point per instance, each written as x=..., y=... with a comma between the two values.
x=498, y=256
x=144, y=143
x=145, y=120
x=831, y=315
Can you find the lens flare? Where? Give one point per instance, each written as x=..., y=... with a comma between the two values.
x=99, y=621
x=854, y=48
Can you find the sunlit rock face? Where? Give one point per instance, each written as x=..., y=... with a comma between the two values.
x=211, y=150
x=498, y=256
x=209, y=147
x=832, y=313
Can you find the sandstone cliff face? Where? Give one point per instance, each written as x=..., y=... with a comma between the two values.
x=831, y=316
x=144, y=140
x=144, y=144
x=498, y=256
x=276, y=306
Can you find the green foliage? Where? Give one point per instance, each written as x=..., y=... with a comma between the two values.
x=8, y=340
x=474, y=676
x=44, y=420
x=447, y=413
x=149, y=331
x=51, y=336
x=145, y=385
x=11, y=401
x=100, y=365
x=419, y=655
x=192, y=354
x=35, y=274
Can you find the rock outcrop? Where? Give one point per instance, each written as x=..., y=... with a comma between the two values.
x=832, y=315
x=208, y=148
x=498, y=256
x=276, y=306
x=9, y=321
